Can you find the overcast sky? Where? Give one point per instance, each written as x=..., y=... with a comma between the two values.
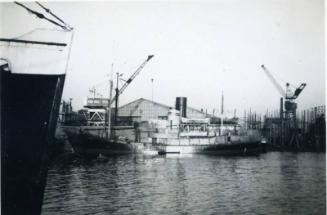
x=201, y=49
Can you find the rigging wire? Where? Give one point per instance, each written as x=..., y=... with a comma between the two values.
x=40, y=15
x=34, y=30
x=52, y=14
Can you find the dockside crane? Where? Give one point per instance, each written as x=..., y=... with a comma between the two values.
x=290, y=105
x=125, y=85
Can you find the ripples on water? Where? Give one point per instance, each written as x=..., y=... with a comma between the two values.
x=273, y=183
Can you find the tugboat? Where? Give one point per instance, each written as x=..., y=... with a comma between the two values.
x=32, y=75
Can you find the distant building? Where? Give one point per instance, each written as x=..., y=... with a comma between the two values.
x=145, y=110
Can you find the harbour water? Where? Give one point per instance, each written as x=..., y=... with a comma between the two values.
x=272, y=183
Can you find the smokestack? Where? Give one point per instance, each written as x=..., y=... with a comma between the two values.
x=181, y=105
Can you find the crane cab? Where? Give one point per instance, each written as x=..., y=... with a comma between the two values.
x=290, y=106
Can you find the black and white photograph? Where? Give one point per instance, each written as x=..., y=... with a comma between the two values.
x=177, y=107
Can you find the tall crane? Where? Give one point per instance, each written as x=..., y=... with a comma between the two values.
x=288, y=94
x=273, y=80
x=290, y=105
x=121, y=90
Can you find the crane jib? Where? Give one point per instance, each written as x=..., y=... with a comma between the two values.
x=131, y=78
x=149, y=57
x=280, y=89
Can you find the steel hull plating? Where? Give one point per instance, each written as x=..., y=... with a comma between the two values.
x=217, y=149
x=29, y=111
x=219, y=145
x=87, y=143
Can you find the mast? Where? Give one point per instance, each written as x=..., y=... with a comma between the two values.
x=222, y=114
x=108, y=133
x=108, y=118
x=116, y=99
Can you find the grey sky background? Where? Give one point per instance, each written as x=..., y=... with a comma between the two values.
x=201, y=49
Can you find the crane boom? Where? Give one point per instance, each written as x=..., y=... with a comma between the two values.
x=299, y=90
x=273, y=80
x=132, y=77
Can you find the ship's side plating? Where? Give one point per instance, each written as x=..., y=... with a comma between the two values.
x=219, y=145
x=32, y=76
x=29, y=110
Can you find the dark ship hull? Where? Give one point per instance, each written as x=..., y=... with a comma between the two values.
x=29, y=110
x=239, y=149
x=204, y=146
x=88, y=143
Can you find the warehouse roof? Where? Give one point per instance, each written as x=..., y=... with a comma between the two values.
x=140, y=100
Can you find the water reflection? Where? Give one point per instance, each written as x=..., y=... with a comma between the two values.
x=273, y=183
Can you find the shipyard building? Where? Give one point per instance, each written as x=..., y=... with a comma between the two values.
x=142, y=110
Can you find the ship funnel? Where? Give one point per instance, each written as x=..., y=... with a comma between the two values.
x=181, y=105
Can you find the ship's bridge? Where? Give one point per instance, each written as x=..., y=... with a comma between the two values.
x=96, y=103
